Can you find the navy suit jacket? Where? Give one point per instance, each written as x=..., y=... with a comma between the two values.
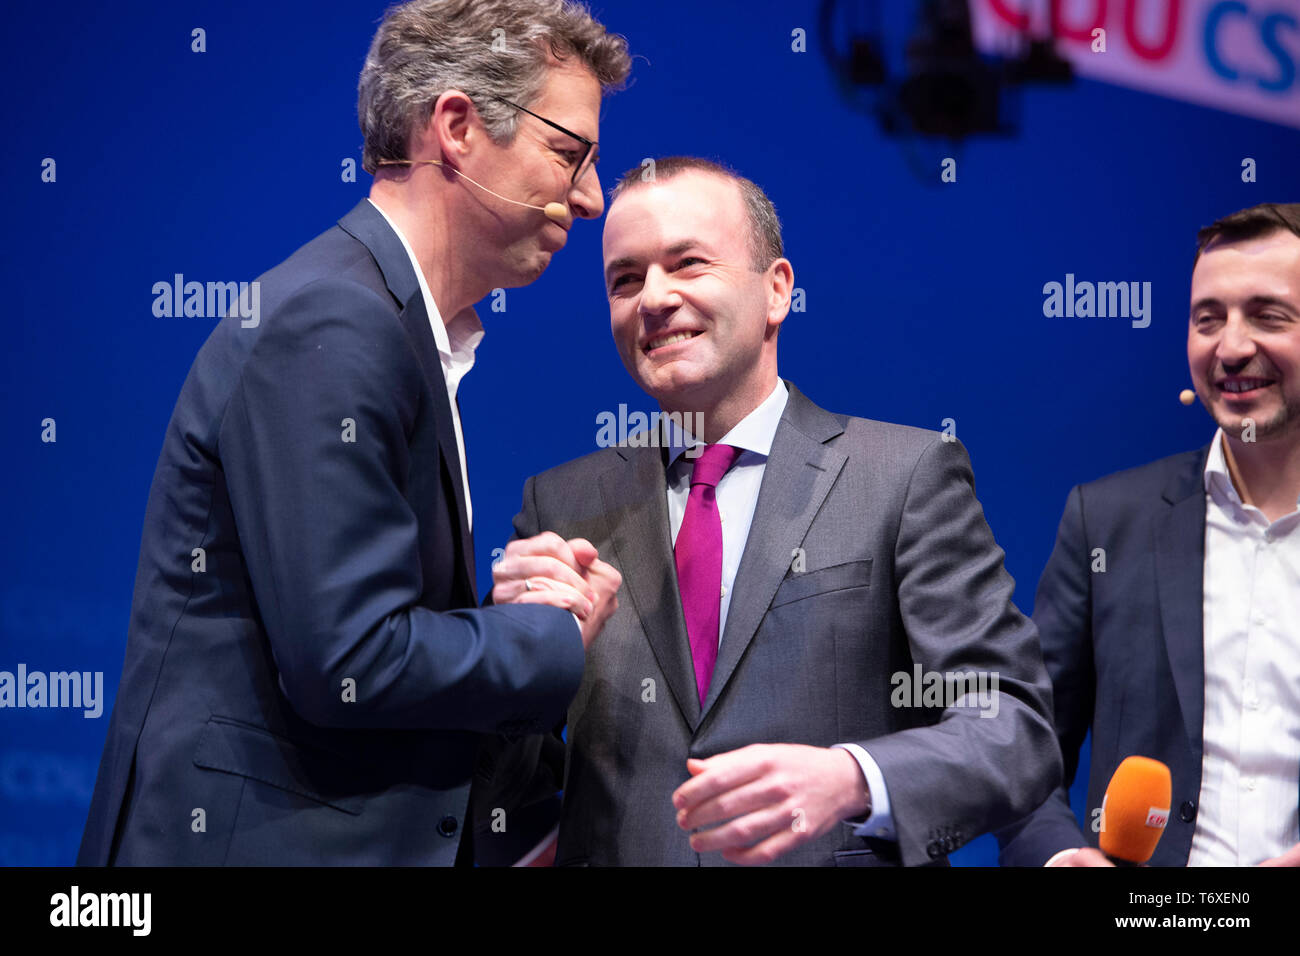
x=307, y=679
x=1124, y=647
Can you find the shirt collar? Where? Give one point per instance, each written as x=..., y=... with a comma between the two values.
x=457, y=338
x=754, y=433
x=1217, y=477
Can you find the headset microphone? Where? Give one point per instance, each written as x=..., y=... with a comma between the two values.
x=554, y=211
x=1187, y=396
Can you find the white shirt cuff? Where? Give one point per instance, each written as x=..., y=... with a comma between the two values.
x=880, y=825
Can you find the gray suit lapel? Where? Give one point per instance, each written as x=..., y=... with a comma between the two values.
x=635, y=497
x=1180, y=567
x=800, y=473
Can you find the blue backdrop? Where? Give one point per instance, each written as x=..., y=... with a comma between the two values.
x=924, y=300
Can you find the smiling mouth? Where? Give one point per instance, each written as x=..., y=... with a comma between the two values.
x=1243, y=386
x=664, y=341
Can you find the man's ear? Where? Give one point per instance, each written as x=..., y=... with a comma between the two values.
x=452, y=130
x=779, y=280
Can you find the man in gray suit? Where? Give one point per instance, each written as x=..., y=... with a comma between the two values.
x=815, y=626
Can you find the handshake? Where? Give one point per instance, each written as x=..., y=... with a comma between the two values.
x=546, y=569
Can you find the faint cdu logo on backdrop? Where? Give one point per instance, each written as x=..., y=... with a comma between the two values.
x=1240, y=56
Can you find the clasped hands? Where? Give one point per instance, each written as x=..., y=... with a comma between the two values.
x=546, y=569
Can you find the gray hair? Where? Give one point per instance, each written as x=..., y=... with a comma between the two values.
x=765, y=243
x=487, y=49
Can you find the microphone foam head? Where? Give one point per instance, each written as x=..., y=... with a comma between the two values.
x=1135, y=809
x=555, y=212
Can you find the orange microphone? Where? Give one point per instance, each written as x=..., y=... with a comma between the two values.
x=1135, y=810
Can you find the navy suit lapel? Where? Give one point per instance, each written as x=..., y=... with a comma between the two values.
x=799, y=474
x=635, y=496
x=1179, y=533
x=367, y=225
x=415, y=317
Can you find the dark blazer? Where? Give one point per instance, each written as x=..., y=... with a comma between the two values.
x=897, y=566
x=313, y=684
x=1124, y=647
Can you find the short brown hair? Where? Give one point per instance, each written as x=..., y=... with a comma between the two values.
x=1250, y=223
x=765, y=243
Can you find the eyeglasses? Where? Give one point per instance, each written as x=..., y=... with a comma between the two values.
x=590, y=152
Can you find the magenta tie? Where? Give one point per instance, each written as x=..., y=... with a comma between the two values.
x=699, y=560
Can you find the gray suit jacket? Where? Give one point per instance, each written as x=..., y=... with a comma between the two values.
x=898, y=568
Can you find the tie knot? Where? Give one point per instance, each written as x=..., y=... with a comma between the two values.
x=713, y=464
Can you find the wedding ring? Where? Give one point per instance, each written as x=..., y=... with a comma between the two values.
x=528, y=585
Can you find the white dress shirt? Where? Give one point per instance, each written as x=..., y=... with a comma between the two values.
x=737, y=496
x=1251, y=759
x=1250, y=764
x=456, y=341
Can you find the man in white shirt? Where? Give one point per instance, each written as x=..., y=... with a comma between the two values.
x=308, y=675
x=1168, y=609
x=785, y=571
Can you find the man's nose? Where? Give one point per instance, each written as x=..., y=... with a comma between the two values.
x=1236, y=345
x=585, y=198
x=658, y=292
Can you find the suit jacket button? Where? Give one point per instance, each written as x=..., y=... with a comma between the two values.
x=1187, y=812
x=934, y=851
x=447, y=826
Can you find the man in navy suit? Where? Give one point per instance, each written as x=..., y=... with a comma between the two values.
x=307, y=677
x=1167, y=611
